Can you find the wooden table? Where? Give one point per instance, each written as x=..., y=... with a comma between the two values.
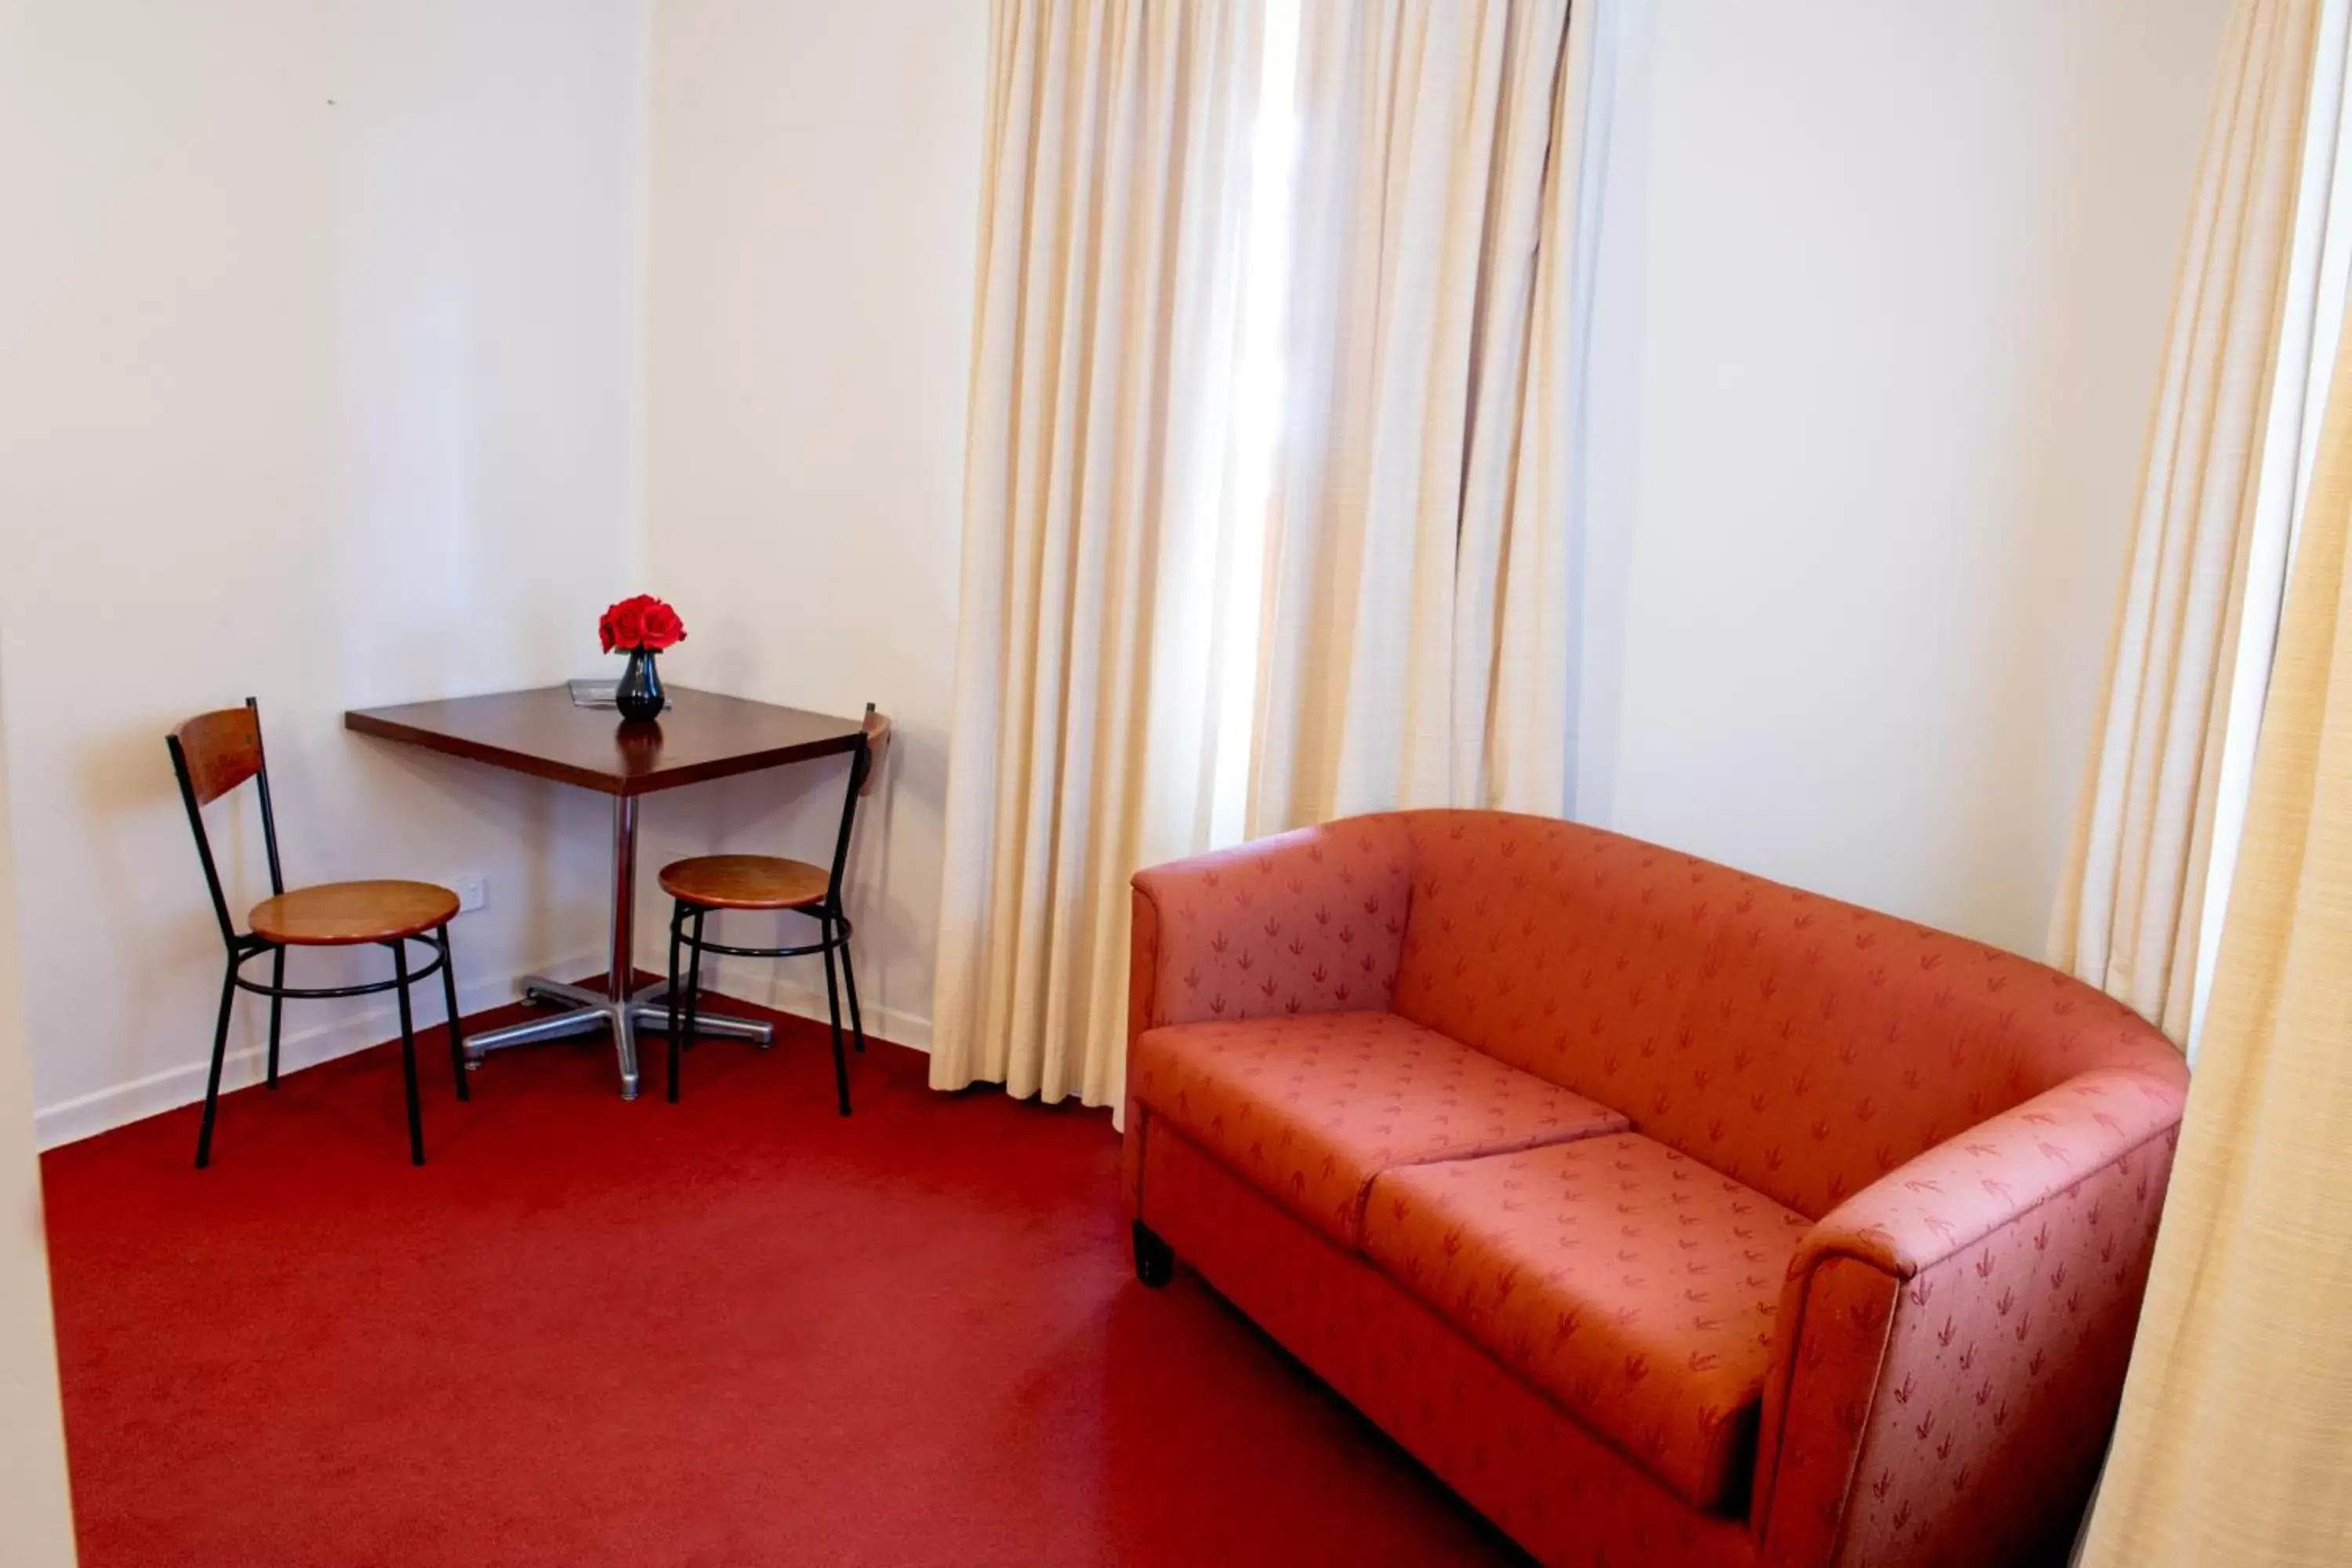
x=703, y=736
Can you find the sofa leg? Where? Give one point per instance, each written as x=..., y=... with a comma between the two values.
x=1155, y=1260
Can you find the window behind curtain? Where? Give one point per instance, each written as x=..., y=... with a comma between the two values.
x=2312, y=323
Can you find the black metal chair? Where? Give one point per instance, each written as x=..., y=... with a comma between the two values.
x=708, y=882
x=214, y=753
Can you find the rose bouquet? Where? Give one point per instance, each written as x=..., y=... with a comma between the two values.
x=642, y=622
x=640, y=626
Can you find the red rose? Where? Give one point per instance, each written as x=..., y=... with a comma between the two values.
x=640, y=621
x=661, y=626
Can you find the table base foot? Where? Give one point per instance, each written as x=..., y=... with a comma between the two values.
x=539, y=988
x=649, y=1005
x=585, y=1011
x=655, y=1015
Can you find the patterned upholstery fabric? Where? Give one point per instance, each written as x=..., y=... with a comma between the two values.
x=1632, y=1284
x=1804, y=1045
x=1312, y=922
x=1961, y=1330
x=1312, y=1108
x=1542, y=1477
x=1981, y=1146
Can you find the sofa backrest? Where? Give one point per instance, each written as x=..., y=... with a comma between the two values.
x=1308, y=921
x=1798, y=1044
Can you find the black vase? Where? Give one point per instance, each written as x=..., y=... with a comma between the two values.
x=639, y=697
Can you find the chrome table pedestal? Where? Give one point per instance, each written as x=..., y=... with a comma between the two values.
x=617, y=1007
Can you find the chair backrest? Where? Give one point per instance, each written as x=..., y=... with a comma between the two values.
x=877, y=746
x=213, y=753
x=219, y=750
x=864, y=767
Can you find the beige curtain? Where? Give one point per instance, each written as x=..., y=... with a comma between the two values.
x=2193, y=637
x=1269, y=503
x=2233, y=1441
x=1116, y=168
x=1421, y=522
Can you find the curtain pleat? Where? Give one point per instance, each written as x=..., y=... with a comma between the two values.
x=1269, y=509
x=1422, y=526
x=2132, y=899
x=1116, y=178
x=2230, y=1445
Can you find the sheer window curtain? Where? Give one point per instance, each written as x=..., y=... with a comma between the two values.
x=1107, y=339
x=1271, y=495
x=2319, y=269
x=2255, y=313
x=2234, y=460
x=2230, y=1444
x=1423, y=520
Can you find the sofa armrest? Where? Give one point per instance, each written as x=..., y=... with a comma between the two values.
x=1952, y=1339
x=1310, y=922
x=1956, y=1194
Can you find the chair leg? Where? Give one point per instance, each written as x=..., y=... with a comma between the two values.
x=277, y=1007
x=408, y=1053
x=450, y=1000
x=849, y=983
x=694, y=977
x=676, y=918
x=220, y=1051
x=693, y=962
x=833, y=1002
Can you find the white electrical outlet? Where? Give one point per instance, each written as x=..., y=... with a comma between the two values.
x=473, y=892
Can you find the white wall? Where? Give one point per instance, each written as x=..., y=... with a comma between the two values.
x=1883, y=297
x=1883, y=294
x=815, y=194
x=34, y=1497
x=318, y=372
x=344, y=403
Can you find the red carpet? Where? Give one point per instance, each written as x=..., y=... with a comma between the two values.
x=734, y=1331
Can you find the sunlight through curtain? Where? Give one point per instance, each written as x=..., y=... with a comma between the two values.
x=2154, y=840
x=1271, y=490
x=1424, y=516
x=1106, y=351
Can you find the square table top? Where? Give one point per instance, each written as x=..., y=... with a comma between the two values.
x=540, y=732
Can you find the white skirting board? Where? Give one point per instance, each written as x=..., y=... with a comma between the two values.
x=300, y=1048
x=787, y=988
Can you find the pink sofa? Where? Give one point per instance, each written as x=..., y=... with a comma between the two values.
x=1669, y=1214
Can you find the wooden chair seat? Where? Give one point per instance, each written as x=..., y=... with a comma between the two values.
x=341, y=914
x=745, y=882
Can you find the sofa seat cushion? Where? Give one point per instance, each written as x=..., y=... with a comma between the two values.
x=1312, y=1108
x=1632, y=1284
